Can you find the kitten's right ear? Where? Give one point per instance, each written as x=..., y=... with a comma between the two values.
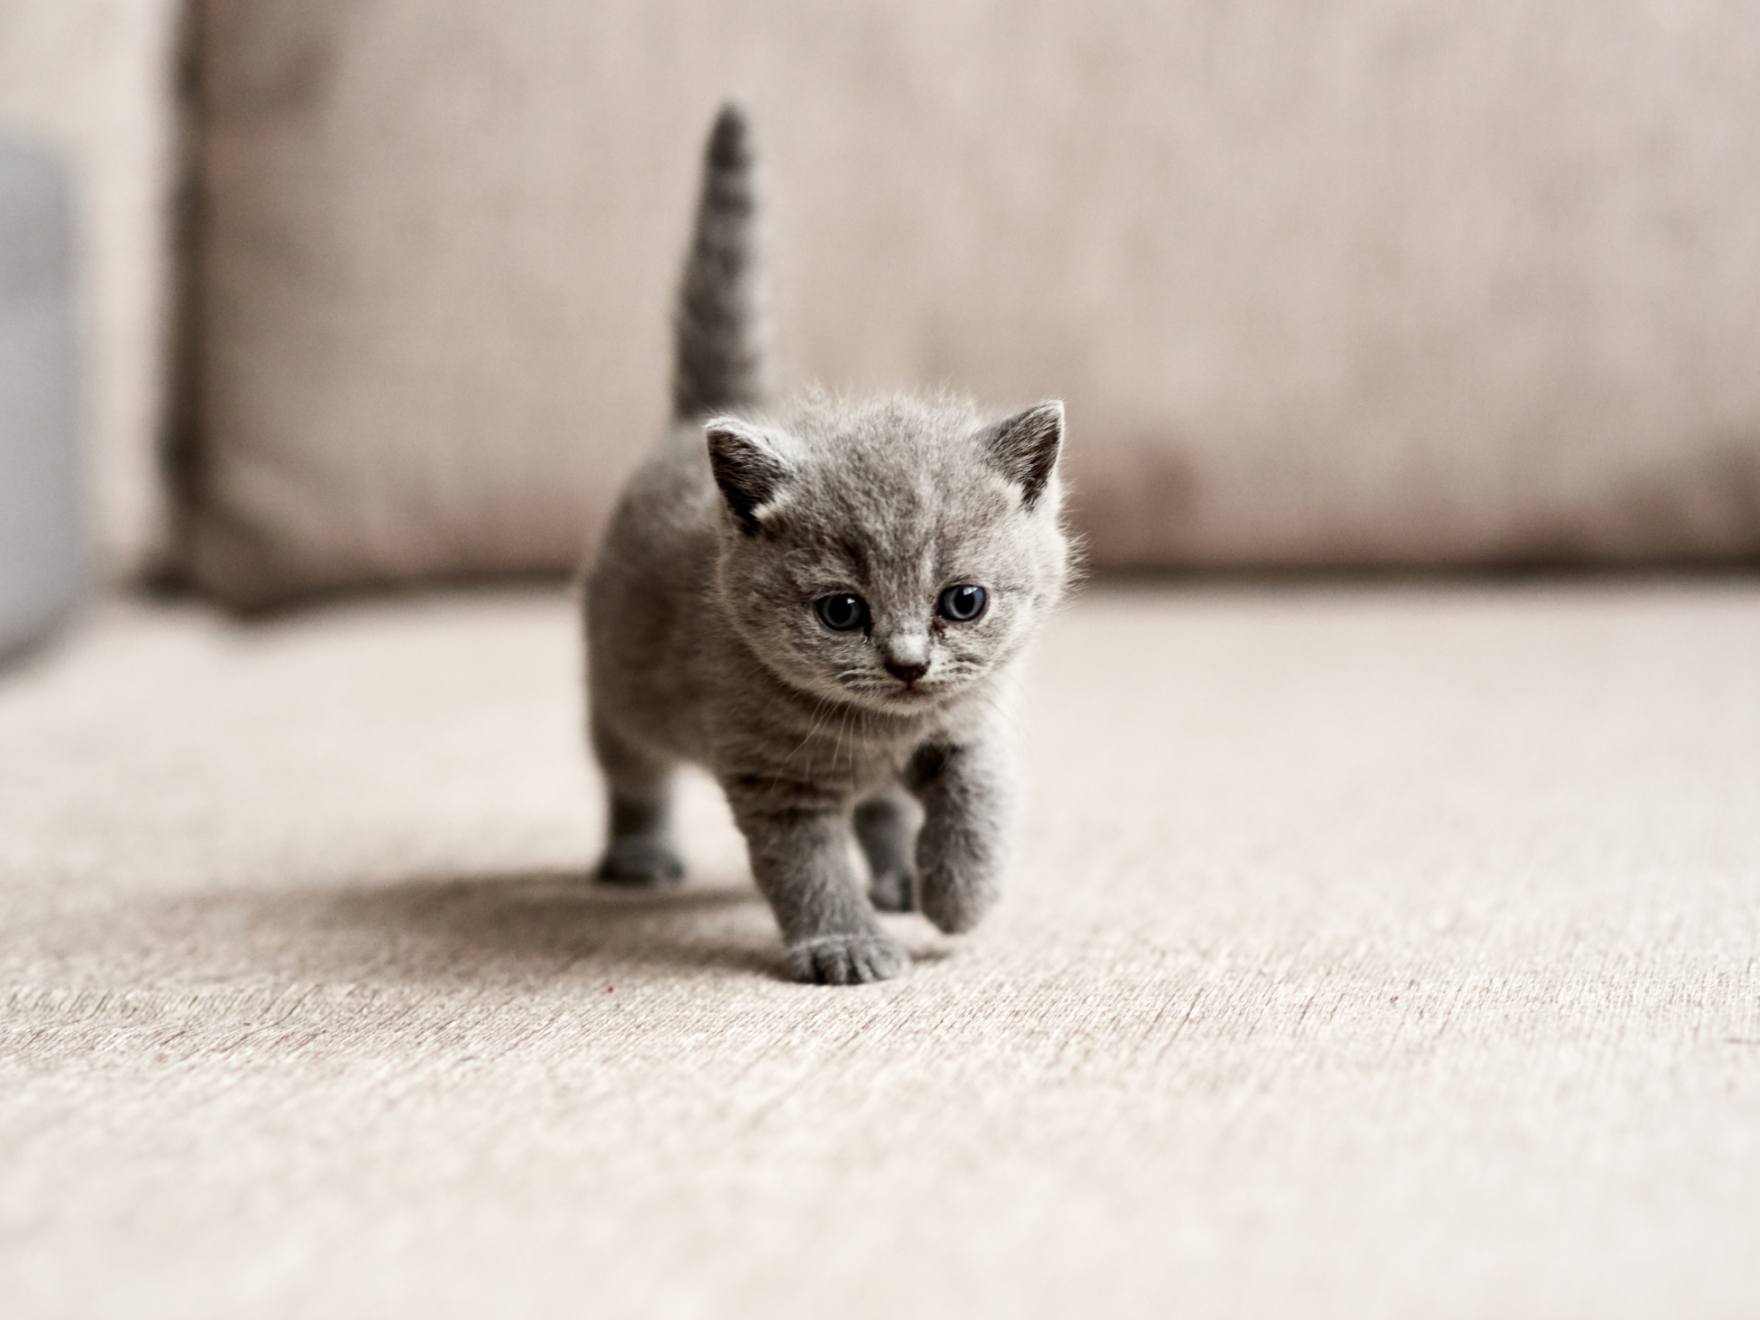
x=746, y=466
x=1026, y=445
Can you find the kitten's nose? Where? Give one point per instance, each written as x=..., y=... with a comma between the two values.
x=909, y=673
x=905, y=655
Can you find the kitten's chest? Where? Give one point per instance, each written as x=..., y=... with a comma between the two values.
x=838, y=750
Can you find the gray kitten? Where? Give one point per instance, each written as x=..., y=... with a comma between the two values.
x=822, y=603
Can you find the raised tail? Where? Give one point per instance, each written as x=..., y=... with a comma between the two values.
x=718, y=330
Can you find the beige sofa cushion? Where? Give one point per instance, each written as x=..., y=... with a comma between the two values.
x=1358, y=283
x=1372, y=953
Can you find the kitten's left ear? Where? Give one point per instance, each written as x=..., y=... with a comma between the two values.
x=747, y=468
x=1026, y=445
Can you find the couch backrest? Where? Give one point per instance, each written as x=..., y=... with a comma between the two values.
x=1372, y=282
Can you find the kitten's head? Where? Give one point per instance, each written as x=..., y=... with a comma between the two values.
x=889, y=553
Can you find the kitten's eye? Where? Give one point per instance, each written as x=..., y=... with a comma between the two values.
x=962, y=604
x=841, y=612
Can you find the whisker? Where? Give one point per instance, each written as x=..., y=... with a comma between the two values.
x=819, y=707
x=837, y=751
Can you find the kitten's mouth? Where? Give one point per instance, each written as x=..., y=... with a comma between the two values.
x=916, y=694
x=898, y=696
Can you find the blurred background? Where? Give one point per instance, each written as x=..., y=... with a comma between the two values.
x=1370, y=284
x=92, y=82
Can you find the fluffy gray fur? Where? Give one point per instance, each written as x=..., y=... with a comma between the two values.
x=705, y=643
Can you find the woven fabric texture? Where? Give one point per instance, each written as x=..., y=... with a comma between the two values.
x=1373, y=952
x=1366, y=283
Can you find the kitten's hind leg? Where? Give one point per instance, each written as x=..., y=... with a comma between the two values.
x=638, y=849
x=886, y=826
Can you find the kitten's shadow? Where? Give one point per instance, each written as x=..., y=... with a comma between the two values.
x=522, y=928
x=562, y=922
x=486, y=929
x=479, y=926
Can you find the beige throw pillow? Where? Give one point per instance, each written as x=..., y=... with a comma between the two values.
x=1361, y=283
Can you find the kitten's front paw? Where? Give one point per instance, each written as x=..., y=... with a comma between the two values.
x=956, y=904
x=847, y=959
x=634, y=861
x=891, y=891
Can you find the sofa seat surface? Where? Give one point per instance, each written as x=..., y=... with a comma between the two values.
x=1374, y=950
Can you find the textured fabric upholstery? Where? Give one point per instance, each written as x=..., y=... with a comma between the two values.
x=1363, y=283
x=1372, y=952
